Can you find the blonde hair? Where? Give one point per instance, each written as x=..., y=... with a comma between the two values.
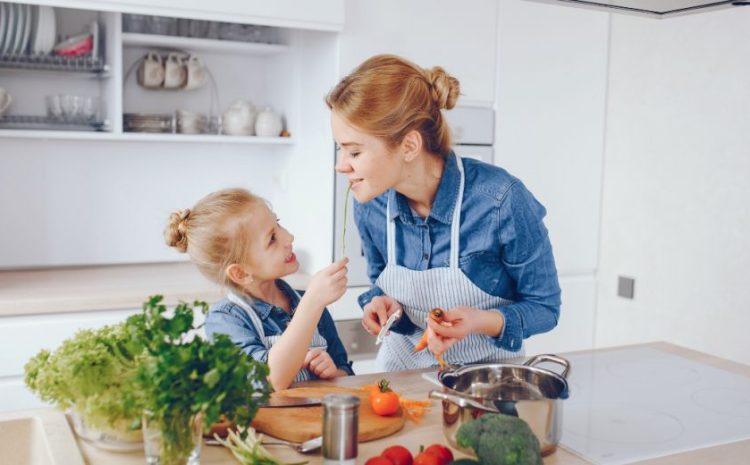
x=214, y=233
x=388, y=96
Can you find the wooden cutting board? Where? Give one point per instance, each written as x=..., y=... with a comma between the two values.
x=298, y=424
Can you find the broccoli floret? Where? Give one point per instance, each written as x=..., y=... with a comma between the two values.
x=500, y=440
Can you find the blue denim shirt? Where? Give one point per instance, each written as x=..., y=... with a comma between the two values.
x=226, y=317
x=504, y=247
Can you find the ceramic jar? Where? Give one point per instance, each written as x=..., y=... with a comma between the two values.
x=268, y=124
x=239, y=119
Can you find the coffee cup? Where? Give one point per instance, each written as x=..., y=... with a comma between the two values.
x=196, y=73
x=151, y=71
x=175, y=73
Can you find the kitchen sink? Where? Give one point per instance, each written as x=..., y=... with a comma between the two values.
x=37, y=437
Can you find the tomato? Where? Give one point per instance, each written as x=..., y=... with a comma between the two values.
x=440, y=451
x=384, y=402
x=399, y=455
x=423, y=458
x=379, y=460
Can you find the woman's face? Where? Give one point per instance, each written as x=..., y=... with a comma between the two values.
x=271, y=254
x=371, y=166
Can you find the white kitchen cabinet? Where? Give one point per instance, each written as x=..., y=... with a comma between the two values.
x=458, y=36
x=551, y=102
x=575, y=329
x=326, y=15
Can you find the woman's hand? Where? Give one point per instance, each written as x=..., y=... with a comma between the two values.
x=321, y=364
x=328, y=285
x=376, y=313
x=461, y=321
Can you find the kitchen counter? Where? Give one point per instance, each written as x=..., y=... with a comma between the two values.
x=429, y=431
x=107, y=287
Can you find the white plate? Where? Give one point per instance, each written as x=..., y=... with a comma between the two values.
x=26, y=29
x=3, y=25
x=19, y=29
x=49, y=29
x=36, y=43
x=10, y=31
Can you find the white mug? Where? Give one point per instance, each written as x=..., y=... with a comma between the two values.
x=175, y=73
x=5, y=101
x=151, y=71
x=196, y=73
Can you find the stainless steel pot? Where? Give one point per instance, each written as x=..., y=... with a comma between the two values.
x=531, y=393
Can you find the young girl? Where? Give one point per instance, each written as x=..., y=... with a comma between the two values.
x=235, y=240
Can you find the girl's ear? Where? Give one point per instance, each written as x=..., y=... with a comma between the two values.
x=238, y=275
x=411, y=145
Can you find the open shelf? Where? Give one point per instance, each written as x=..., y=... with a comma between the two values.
x=202, y=45
x=147, y=137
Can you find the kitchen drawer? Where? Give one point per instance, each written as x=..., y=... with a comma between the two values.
x=23, y=336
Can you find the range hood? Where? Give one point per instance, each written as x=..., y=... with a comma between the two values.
x=652, y=8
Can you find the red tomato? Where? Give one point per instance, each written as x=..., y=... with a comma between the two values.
x=399, y=455
x=379, y=460
x=440, y=451
x=423, y=458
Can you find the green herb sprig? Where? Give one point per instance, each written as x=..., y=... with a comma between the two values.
x=250, y=451
x=345, y=220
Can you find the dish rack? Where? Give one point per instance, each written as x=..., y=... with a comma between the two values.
x=84, y=64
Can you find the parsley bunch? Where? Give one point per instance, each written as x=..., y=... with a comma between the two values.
x=181, y=376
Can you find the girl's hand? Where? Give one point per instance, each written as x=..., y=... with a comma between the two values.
x=328, y=285
x=321, y=364
x=376, y=313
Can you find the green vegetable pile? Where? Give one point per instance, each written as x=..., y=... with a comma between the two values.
x=88, y=373
x=500, y=440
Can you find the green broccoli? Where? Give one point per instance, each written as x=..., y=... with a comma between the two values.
x=500, y=440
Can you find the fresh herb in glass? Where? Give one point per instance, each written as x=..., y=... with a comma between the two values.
x=181, y=377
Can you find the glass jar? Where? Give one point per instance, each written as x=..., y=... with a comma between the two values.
x=178, y=443
x=120, y=437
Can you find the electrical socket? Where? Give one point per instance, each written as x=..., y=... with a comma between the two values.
x=625, y=287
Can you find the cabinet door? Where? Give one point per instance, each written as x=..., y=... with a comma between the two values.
x=318, y=15
x=551, y=103
x=575, y=330
x=459, y=36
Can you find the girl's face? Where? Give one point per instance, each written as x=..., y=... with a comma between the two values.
x=271, y=254
x=371, y=166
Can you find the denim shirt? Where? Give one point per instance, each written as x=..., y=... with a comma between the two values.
x=226, y=317
x=504, y=247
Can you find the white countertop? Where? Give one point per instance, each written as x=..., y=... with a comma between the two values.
x=107, y=287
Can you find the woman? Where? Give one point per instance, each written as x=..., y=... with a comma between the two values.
x=438, y=231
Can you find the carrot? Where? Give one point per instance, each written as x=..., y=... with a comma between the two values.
x=414, y=409
x=437, y=315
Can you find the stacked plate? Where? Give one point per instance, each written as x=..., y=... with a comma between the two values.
x=26, y=29
x=147, y=122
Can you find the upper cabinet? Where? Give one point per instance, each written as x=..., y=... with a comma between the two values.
x=461, y=37
x=323, y=15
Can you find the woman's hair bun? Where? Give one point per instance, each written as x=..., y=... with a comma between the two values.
x=445, y=88
x=175, y=235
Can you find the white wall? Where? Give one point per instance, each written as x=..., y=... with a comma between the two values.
x=676, y=214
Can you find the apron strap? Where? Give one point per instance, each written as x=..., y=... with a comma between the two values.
x=455, y=224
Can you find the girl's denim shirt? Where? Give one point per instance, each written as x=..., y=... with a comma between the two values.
x=504, y=246
x=226, y=317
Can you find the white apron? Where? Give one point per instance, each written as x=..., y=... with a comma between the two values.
x=318, y=341
x=420, y=291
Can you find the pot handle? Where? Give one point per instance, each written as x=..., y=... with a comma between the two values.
x=550, y=358
x=461, y=401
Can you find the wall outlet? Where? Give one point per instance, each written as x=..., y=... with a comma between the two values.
x=625, y=287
